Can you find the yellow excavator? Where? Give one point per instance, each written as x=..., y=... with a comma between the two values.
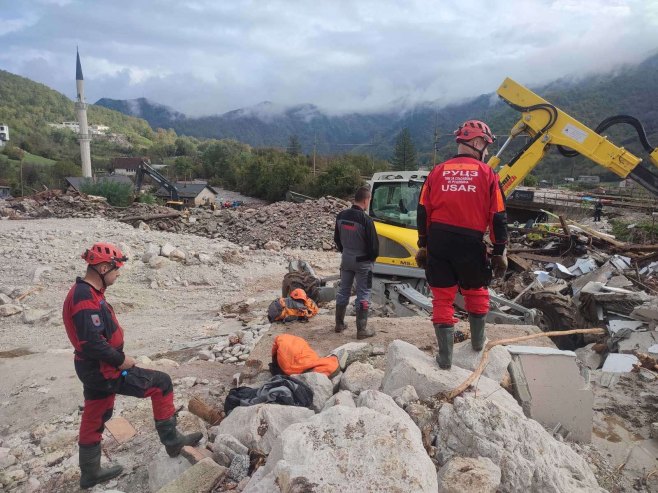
x=398, y=282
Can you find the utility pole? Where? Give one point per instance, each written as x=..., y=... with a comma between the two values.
x=436, y=138
x=22, y=194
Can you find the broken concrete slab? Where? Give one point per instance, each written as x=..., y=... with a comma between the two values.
x=465, y=357
x=559, y=395
x=353, y=351
x=200, y=478
x=344, y=449
x=121, y=429
x=408, y=365
x=530, y=459
x=469, y=475
x=257, y=427
x=163, y=469
x=647, y=311
x=638, y=341
x=619, y=363
x=615, y=326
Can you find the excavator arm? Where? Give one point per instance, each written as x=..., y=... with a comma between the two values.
x=547, y=125
x=146, y=169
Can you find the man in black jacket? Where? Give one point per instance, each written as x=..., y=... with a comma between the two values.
x=356, y=239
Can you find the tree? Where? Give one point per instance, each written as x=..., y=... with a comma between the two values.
x=404, y=156
x=294, y=147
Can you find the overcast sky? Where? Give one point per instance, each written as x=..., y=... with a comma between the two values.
x=211, y=56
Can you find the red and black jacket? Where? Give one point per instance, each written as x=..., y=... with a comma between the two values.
x=93, y=330
x=463, y=195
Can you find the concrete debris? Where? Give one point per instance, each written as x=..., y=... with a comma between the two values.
x=552, y=390
x=163, y=469
x=353, y=351
x=344, y=449
x=9, y=310
x=200, y=478
x=384, y=404
x=638, y=342
x=464, y=429
x=619, y=363
x=225, y=448
x=469, y=475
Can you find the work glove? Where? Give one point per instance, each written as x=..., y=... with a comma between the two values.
x=499, y=265
x=421, y=257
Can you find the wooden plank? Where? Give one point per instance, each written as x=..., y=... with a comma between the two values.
x=537, y=258
x=520, y=263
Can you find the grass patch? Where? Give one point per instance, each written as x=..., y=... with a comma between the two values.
x=34, y=159
x=643, y=232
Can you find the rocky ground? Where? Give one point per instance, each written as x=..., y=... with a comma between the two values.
x=194, y=306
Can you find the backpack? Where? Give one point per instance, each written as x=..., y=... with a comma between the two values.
x=289, y=309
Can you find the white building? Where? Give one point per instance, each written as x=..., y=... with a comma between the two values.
x=75, y=127
x=4, y=134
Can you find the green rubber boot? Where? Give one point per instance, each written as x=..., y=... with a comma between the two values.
x=91, y=473
x=445, y=338
x=362, y=329
x=340, y=318
x=172, y=439
x=476, y=323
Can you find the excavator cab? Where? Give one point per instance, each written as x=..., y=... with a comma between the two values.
x=178, y=205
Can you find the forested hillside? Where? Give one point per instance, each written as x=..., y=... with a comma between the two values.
x=629, y=90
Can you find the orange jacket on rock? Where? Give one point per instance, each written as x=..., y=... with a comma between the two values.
x=294, y=356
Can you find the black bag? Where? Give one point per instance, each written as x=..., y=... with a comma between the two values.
x=280, y=389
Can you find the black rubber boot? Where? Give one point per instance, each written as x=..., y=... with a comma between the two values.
x=445, y=339
x=340, y=318
x=476, y=322
x=172, y=439
x=91, y=473
x=362, y=330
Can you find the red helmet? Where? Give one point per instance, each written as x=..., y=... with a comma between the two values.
x=471, y=129
x=104, y=252
x=298, y=294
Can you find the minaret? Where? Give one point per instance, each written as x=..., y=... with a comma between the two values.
x=81, y=112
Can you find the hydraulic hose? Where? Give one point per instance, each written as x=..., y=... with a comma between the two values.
x=609, y=122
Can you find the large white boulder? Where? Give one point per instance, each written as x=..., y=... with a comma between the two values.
x=347, y=450
x=384, y=404
x=530, y=459
x=408, y=365
x=361, y=376
x=469, y=475
x=499, y=359
x=257, y=427
x=321, y=386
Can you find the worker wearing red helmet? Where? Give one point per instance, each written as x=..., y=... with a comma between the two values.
x=105, y=370
x=460, y=200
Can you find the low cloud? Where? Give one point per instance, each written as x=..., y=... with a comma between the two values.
x=207, y=57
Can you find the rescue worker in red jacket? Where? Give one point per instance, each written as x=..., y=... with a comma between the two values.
x=105, y=370
x=460, y=199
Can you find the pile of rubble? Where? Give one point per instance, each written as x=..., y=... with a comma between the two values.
x=308, y=225
x=384, y=430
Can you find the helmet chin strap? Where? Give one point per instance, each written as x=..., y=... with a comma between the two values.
x=102, y=276
x=479, y=151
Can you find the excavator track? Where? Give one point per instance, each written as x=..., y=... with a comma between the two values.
x=557, y=313
x=304, y=280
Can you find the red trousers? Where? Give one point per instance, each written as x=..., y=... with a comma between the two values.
x=443, y=311
x=99, y=399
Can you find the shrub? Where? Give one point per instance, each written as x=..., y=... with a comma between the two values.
x=117, y=194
